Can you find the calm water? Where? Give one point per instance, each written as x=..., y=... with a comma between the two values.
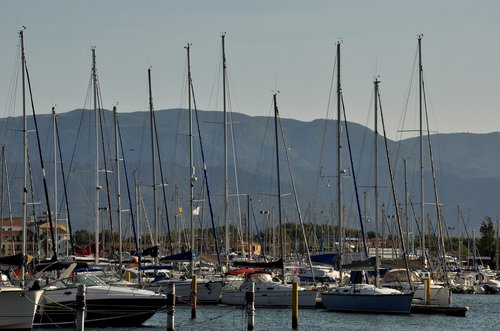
x=483, y=314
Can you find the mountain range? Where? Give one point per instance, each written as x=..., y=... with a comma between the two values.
x=466, y=168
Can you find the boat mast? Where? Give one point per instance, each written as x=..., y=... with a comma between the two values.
x=55, y=180
x=226, y=189
x=25, y=153
x=155, y=207
x=97, y=186
x=421, y=142
x=459, y=238
x=118, y=193
x=377, y=258
x=405, y=167
x=192, y=178
x=280, y=222
x=339, y=160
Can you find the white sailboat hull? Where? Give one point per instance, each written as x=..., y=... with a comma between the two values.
x=17, y=308
x=208, y=291
x=270, y=295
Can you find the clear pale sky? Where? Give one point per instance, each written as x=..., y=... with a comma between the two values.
x=286, y=45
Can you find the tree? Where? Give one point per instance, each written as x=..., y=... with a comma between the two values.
x=83, y=238
x=486, y=245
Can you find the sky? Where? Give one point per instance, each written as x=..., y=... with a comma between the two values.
x=284, y=45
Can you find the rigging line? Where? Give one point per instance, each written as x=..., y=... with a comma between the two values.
x=259, y=233
x=354, y=178
x=258, y=165
x=415, y=218
x=439, y=219
x=297, y=205
x=465, y=225
x=331, y=98
x=65, y=186
x=402, y=120
x=236, y=178
x=216, y=239
x=176, y=143
x=163, y=184
x=215, y=90
x=136, y=241
x=45, y=186
x=106, y=133
x=9, y=203
x=106, y=175
x=11, y=95
x=393, y=188
x=235, y=158
x=80, y=126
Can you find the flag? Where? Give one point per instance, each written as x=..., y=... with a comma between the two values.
x=196, y=211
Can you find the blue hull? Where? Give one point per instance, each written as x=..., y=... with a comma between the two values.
x=359, y=303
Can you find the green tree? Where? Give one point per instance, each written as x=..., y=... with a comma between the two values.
x=486, y=245
x=83, y=238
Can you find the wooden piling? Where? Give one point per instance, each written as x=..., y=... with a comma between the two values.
x=427, y=285
x=250, y=298
x=170, y=306
x=295, y=305
x=194, y=295
x=80, y=308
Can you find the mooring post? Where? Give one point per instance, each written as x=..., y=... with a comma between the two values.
x=170, y=306
x=80, y=308
x=250, y=296
x=427, y=287
x=194, y=294
x=295, y=305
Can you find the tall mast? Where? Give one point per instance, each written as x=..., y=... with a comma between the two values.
x=2, y=181
x=153, y=165
x=97, y=186
x=421, y=142
x=118, y=193
x=192, y=178
x=55, y=178
x=459, y=239
x=226, y=189
x=339, y=160
x=280, y=222
x=405, y=167
x=377, y=259
x=25, y=152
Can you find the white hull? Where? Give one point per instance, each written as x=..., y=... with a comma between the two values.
x=208, y=291
x=17, y=308
x=106, y=306
x=270, y=295
x=440, y=295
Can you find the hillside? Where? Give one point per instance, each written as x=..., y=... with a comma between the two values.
x=466, y=166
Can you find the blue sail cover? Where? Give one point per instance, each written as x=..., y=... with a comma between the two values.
x=184, y=256
x=326, y=259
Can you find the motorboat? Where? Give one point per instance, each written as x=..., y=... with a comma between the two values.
x=268, y=293
x=106, y=305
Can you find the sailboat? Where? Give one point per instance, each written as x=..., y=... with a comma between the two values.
x=209, y=290
x=360, y=297
x=268, y=292
x=18, y=304
x=431, y=296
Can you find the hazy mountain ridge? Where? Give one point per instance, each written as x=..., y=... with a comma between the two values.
x=466, y=163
